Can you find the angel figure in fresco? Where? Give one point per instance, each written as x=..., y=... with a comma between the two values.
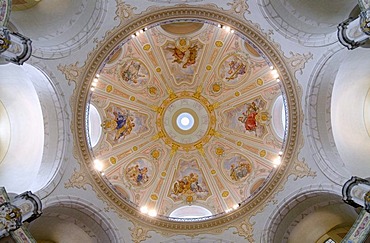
x=191, y=55
x=177, y=54
x=239, y=171
x=186, y=55
x=249, y=117
x=188, y=184
x=137, y=175
x=120, y=126
x=124, y=128
x=236, y=68
x=131, y=72
x=120, y=119
x=142, y=177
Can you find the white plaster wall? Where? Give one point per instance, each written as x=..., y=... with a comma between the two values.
x=311, y=23
x=48, y=19
x=21, y=163
x=325, y=12
x=322, y=221
x=59, y=27
x=347, y=112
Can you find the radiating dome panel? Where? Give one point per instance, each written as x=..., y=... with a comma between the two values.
x=139, y=172
x=187, y=119
x=189, y=182
x=122, y=123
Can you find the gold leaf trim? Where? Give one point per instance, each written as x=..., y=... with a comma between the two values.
x=72, y=72
x=245, y=229
x=139, y=234
x=124, y=11
x=78, y=180
x=298, y=61
x=239, y=7
x=300, y=169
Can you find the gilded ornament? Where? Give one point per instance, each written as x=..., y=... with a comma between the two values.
x=182, y=42
x=134, y=148
x=263, y=153
x=213, y=132
x=213, y=172
x=259, y=81
x=174, y=148
x=159, y=135
x=237, y=93
x=225, y=193
x=152, y=90
x=146, y=47
x=113, y=160
x=158, y=69
x=367, y=197
x=155, y=154
x=132, y=98
x=154, y=197
x=216, y=87
x=4, y=43
x=109, y=88
x=219, y=151
x=156, y=108
x=163, y=174
x=264, y=117
x=172, y=95
x=200, y=148
x=239, y=143
x=198, y=92
x=219, y=43
x=208, y=67
x=189, y=199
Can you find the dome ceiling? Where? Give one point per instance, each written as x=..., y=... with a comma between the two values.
x=187, y=118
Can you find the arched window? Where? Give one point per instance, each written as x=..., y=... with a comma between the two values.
x=33, y=131
x=279, y=117
x=187, y=212
x=94, y=125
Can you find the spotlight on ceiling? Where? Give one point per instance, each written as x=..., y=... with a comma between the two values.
x=144, y=209
x=275, y=74
x=98, y=165
x=152, y=213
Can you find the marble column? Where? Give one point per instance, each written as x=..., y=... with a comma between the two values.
x=14, y=47
x=15, y=212
x=355, y=31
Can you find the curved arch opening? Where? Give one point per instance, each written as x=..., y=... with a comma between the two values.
x=72, y=222
x=94, y=128
x=36, y=129
x=193, y=211
x=320, y=212
x=348, y=112
x=24, y=155
x=279, y=117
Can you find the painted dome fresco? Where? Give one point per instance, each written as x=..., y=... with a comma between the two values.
x=186, y=114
